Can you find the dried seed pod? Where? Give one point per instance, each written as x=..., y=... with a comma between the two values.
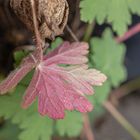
x=52, y=15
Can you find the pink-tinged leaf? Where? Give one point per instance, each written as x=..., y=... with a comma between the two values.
x=63, y=88
x=67, y=53
x=57, y=88
x=54, y=96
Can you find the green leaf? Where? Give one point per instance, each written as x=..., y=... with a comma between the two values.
x=93, y=9
x=55, y=44
x=33, y=125
x=36, y=127
x=18, y=56
x=108, y=56
x=10, y=104
x=115, y=12
x=101, y=93
x=71, y=125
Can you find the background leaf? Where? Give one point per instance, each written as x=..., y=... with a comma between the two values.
x=115, y=12
x=33, y=126
x=36, y=127
x=108, y=56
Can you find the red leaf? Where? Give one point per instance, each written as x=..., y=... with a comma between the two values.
x=58, y=88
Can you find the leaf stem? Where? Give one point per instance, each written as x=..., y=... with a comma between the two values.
x=89, y=31
x=122, y=120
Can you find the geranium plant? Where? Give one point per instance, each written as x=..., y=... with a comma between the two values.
x=60, y=78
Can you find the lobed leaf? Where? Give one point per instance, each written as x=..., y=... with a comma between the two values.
x=115, y=12
x=57, y=88
x=31, y=124
x=62, y=88
x=39, y=129
x=108, y=56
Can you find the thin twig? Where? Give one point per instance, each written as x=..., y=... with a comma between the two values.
x=122, y=120
x=131, y=32
x=72, y=34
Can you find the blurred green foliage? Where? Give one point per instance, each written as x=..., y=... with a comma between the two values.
x=115, y=12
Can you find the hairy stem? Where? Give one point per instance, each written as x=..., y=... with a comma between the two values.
x=37, y=34
x=121, y=119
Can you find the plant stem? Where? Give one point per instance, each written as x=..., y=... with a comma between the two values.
x=131, y=32
x=89, y=31
x=37, y=34
x=120, y=118
x=87, y=128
